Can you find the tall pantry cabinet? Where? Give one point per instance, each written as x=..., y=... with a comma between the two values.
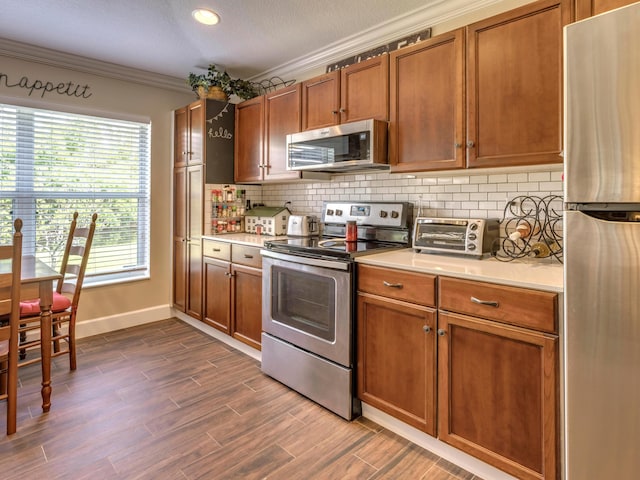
x=203, y=153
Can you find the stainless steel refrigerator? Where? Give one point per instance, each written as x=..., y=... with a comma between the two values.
x=602, y=246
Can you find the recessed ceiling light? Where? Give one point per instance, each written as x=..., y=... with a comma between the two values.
x=205, y=16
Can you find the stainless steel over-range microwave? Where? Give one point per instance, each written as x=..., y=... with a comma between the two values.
x=465, y=236
x=340, y=148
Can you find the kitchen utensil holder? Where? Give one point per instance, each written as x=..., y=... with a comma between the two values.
x=541, y=220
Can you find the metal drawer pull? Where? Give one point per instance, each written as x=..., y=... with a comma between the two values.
x=442, y=332
x=426, y=329
x=215, y=249
x=392, y=285
x=488, y=303
x=246, y=255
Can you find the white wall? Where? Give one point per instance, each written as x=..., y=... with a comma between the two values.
x=111, y=307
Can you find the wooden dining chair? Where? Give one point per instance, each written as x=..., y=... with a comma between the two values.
x=65, y=299
x=11, y=258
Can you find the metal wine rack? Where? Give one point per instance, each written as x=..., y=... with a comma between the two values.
x=542, y=218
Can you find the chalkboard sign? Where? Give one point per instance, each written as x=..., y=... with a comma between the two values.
x=219, y=133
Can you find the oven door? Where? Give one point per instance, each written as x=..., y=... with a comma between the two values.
x=308, y=302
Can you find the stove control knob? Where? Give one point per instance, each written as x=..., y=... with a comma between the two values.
x=383, y=214
x=339, y=213
x=471, y=247
x=329, y=212
x=473, y=226
x=394, y=214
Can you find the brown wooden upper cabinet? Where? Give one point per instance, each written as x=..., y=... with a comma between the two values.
x=189, y=134
x=514, y=86
x=281, y=117
x=588, y=8
x=426, y=127
x=357, y=92
x=249, y=142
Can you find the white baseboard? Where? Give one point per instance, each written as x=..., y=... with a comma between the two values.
x=459, y=458
x=218, y=335
x=100, y=325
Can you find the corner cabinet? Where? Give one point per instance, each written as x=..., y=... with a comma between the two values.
x=232, y=276
x=588, y=8
x=203, y=149
x=357, y=92
x=514, y=86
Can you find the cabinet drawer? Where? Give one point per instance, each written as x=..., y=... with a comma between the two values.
x=219, y=250
x=399, y=284
x=245, y=255
x=518, y=306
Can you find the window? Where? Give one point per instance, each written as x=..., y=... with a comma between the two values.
x=53, y=164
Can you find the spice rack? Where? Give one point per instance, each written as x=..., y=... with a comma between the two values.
x=227, y=210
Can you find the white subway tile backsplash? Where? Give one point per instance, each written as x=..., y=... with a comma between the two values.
x=472, y=195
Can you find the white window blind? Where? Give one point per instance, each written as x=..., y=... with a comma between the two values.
x=53, y=164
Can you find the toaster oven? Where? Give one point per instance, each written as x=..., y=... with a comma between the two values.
x=464, y=236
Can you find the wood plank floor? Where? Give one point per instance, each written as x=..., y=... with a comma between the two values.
x=166, y=401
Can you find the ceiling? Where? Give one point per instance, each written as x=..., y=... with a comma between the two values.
x=253, y=39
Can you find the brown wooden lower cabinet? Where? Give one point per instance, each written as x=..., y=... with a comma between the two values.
x=233, y=290
x=497, y=394
x=397, y=359
x=495, y=386
x=247, y=304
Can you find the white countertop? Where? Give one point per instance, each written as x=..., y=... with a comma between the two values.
x=537, y=274
x=250, y=239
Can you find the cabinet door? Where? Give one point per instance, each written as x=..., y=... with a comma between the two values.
x=196, y=112
x=249, y=143
x=397, y=359
x=217, y=294
x=321, y=101
x=364, y=90
x=514, y=86
x=282, y=116
x=195, y=220
x=497, y=394
x=587, y=8
x=247, y=304
x=426, y=129
x=179, y=238
x=181, y=137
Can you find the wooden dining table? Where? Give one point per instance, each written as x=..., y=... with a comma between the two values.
x=37, y=282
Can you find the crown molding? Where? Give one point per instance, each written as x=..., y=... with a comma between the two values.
x=55, y=58
x=431, y=14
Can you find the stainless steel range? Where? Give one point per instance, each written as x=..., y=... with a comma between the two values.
x=308, y=291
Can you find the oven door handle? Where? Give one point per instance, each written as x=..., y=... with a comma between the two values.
x=314, y=262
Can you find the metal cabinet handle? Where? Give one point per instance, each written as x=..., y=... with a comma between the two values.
x=457, y=145
x=442, y=332
x=489, y=303
x=334, y=112
x=246, y=255
x=470, y=144
x=392, y=285
x=215, y=249
x=342, y=110
x=426, y=329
